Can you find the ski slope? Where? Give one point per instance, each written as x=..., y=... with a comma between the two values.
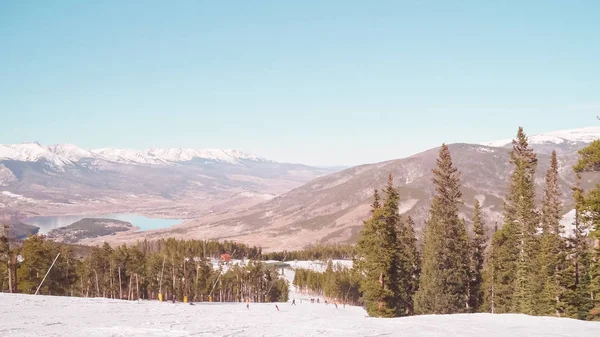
x=30, y=315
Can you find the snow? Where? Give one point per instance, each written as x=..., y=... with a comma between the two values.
x=31, y=315
x=581, y=135
x=319, y=266
x=568, y=222
x=61, y=155
x=31, y=152
x=71, y=152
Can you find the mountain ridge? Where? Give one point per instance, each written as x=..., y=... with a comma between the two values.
x=68, y=154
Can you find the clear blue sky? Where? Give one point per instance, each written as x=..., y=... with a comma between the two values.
x=317, y=82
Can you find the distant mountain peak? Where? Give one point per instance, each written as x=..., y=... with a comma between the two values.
x=574, y=136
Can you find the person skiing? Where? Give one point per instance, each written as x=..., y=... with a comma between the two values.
x=294, y=302
x=248, y=306
x=277, y=307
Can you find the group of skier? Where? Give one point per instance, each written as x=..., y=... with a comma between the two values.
x=312, y=300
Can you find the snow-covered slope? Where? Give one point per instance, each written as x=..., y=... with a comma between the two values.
x=30, y=315
x=71, y=152
x=31, y=152
x=67, y=154
x=575, y=136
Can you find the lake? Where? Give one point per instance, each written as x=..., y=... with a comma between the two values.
x=48, y=223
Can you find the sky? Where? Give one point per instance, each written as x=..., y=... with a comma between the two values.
x=314, y=82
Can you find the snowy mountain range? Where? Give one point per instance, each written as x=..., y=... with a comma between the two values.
x=68, y=154
x=563, y=141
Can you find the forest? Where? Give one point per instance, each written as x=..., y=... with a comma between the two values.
x=177, y=269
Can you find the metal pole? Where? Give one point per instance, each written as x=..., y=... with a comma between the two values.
x=38, y=288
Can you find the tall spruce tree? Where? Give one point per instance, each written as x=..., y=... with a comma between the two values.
x=478, y=245
x=590, y=162
x=408, y=241
x=516, y=243
x=491, y=271
x=408, y=266
x=395, y=267
x=376, y=260
x=445, y=260
x=552, y=258
x=578, y=299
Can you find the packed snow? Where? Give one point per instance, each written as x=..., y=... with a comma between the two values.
x=61, y=155
x=581, y=135
x=31, y=315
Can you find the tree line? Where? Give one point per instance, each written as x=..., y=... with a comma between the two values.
x=177, y=269
x=338, y=284
x=317, y=252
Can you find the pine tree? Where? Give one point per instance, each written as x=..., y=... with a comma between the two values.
x=408, y=241
x=552, y=258
x=516, y=243
x=589, y=161
x=397, y=269
x=478, y=245
x=445, y=260
x=490, y=276
x=578, y=299
x=377, y=261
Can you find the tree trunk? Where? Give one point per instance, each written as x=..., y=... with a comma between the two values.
x=97, y=285
x=10, y=284
x=120, y=285
x=129, y=290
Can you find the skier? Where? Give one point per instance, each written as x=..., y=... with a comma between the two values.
x=277, y=307
x=248, y=306
x=294, y=302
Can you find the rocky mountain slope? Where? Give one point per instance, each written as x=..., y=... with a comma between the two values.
x=184, y=183
x=331, y=208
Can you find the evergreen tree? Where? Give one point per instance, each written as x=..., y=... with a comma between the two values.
x=4, y=259
x=578, y=299
x=398, y=269
x=589, y=161
x=516, y=243
x=377, y=261
x=552, y=258
x=478, y=245
x=445, y=258
x=490, y=275
x=412, y=268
